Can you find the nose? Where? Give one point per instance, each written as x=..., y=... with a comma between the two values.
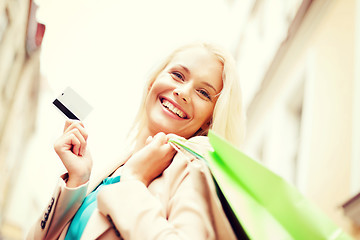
x=183, y=94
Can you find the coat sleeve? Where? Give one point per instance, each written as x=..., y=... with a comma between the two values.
x=62, y=206
x=137, y=214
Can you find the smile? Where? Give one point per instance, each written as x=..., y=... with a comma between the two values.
x=168, y=105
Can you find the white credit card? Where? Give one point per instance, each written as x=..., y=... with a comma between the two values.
x=72, y=105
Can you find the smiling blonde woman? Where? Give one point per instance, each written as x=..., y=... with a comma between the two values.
x=156, y=191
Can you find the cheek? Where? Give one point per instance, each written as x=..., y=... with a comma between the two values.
x=205, y=112
x=154, y=91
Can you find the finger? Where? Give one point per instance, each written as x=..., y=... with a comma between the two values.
x=172, y=135
x=169, y=148
x=159, y=135
x=70, y=122
x=148, y=140
x=80, y=126
x=168, y=152
x=67, y=124
x=160, y=138
x=81, y=140
x=75, y=143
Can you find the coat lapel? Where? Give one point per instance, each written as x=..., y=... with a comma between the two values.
x=103, y=172
x=96, y=226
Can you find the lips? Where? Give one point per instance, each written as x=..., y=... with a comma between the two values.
x=173, y=109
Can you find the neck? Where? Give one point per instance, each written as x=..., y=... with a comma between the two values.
x=141, y=139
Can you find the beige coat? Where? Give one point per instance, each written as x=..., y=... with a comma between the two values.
x=180, y=204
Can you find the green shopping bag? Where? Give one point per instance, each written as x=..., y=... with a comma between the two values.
x=265, y=204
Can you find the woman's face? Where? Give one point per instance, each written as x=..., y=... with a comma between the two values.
x=182, y=98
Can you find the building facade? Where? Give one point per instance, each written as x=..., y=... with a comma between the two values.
x=301, y=63
x=20, y=38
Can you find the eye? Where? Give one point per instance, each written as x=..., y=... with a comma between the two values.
x=178, y=76
x=204, y=93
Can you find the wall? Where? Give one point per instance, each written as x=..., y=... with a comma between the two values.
x=317, y=68
x=330, y=145
x=19, y=82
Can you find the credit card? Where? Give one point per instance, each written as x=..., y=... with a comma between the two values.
x=72, y=105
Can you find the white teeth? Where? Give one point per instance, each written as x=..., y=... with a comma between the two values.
x=173, y=109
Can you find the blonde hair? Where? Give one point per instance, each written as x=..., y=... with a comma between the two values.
x=228, y=119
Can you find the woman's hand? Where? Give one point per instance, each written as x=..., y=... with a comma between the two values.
x=71, y=148
x=149, y=162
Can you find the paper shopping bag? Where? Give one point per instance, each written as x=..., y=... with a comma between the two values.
x=264, y=203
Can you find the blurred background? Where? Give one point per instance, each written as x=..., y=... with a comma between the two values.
x=299, y=65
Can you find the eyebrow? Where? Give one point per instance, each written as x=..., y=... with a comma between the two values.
x=210, y=86
x=204, y=82
x=185, y=68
